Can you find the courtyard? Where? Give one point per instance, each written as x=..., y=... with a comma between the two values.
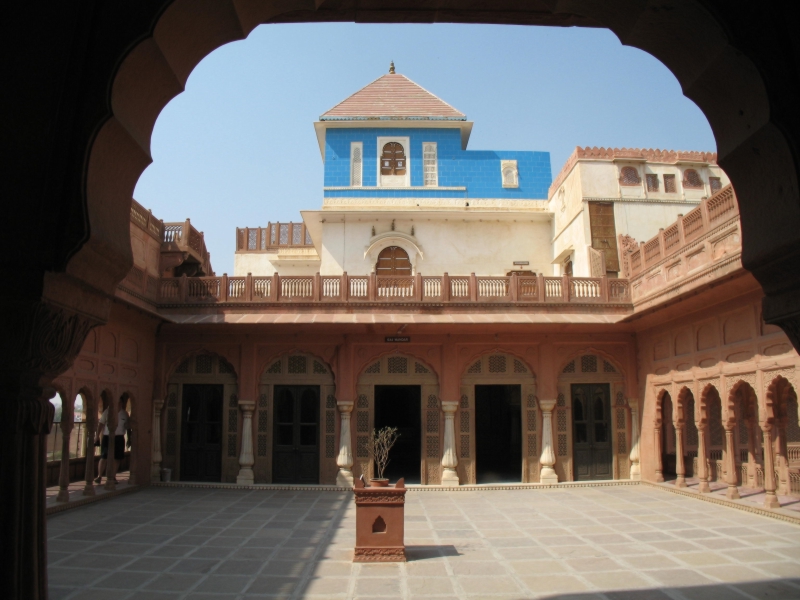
x=610, y=542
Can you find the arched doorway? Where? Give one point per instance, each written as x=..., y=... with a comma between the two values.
x=393, y=261
x=400, y=391
x=591, y=418
x=668, y=457
x=202, y=420
x=498, y=421
x=295, y=422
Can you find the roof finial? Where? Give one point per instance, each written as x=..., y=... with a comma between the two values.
x=391, y=68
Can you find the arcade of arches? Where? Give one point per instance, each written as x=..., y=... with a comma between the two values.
x=89, y=83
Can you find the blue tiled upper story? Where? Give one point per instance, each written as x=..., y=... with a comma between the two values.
x=476, y=170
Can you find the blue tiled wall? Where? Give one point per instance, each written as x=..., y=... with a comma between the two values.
x=477, y=170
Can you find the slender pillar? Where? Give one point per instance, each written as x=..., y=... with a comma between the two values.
x=702, y=458
x=449, y=458
x=111, y=462
x=730, y=477
x=752, y=457
x=134, y=462
x=155, y=465
x=90, y=432
x=246, y=458
x=771, y=499
x=344, y=460
x=548, y=458
x=63, y=475
x=680, y=467
x=782, y=457
x=636, y=471
x=657, y=453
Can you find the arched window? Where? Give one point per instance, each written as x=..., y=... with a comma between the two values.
x=508, y=168
x=393, y=261
x=393, y=159
x=629, y=176
x=691, y=179
x=356, y=152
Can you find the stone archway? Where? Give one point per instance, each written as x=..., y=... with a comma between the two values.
x=90, y=111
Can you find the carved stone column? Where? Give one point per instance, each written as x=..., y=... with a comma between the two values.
x=155, y=463
x=657, y=452
x=636, y=471
x=39, y=342
x=702, y=458
x=63, y=475
x=111, y=462
x=771, y=499
x=449, y=457
x=344, y=460
x=680, y=466
x=782, y=457
x=134, y=459
x=91, y=431
x=548, y=458
x=246, y=458
x=730, y=476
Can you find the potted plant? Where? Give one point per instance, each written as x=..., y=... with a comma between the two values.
x=380, y=442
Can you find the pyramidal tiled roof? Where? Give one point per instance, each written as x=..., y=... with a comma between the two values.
x=393, y=96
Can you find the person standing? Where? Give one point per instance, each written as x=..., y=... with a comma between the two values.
x=123, y=427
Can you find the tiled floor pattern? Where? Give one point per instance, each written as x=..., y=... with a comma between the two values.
x=631, y=542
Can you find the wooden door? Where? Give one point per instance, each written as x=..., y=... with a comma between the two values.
x=201, y=435
x=591, y=418
x=295, y=453
x=393, y=261
x=393, y=159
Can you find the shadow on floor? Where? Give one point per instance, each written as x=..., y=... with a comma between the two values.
x=776, y=589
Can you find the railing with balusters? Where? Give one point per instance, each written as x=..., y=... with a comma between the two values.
x=469, y=289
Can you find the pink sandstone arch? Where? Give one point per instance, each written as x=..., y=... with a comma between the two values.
x=496, y=350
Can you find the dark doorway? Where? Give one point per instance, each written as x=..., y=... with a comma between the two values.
x=591, y=414
x=668, y=453
x=498, y=434
x=399, y=406
x=201, y=433
x=295, y=452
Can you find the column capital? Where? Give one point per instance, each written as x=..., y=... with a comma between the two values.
x=449, y=406
x=158, y=403
x=633, y=403
x=547, y=405
x=247, y=405
x=345, y=406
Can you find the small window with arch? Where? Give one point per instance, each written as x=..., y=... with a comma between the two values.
x=393, y=159
x=629, y=176
x=715, y=183
x=509, y=173
x=691, y=179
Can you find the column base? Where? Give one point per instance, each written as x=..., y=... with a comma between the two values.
x=245, y=477
x=771, y=501
x=659, y=477
x=450, y=478
x=680, y=482
x=88, y=490
x=548, y=475
x=636, y=472
x=63, y=495
x=732, y=493
x=155, y=473
x=704, y=488
x=110, y=486
x=344, y=478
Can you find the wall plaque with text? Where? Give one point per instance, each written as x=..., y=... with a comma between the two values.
x=397, y=339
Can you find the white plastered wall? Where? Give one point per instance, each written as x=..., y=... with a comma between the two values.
x=267, y=264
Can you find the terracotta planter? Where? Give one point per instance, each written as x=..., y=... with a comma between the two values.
x=380, y=529
x=378, y=483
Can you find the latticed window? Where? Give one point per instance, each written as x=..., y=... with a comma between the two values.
x=374, y=368
x=429, y=166
x=356, y=163
x=308, y=238
x=284, y=233
x=397, y=364
x=419, y=368
x=715, y=183
x=691, y=179
x=669, y=184
x=608, y=367
x=519, y=367
x=225, y=366
x=275, y=368
x=464, y=422
x=297, y=364
x=297, y=234
x=319, y=368
x=252, y=239
x=652, y=182
x=570, y=368
x=510, y=174
x=497, y=363
x=203, y=364
x=589, y=363
x=393, y=159
x=475, y=368
x=629, y=176
x=183, y=367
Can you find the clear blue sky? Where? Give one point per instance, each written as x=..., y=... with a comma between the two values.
x=237, y=148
